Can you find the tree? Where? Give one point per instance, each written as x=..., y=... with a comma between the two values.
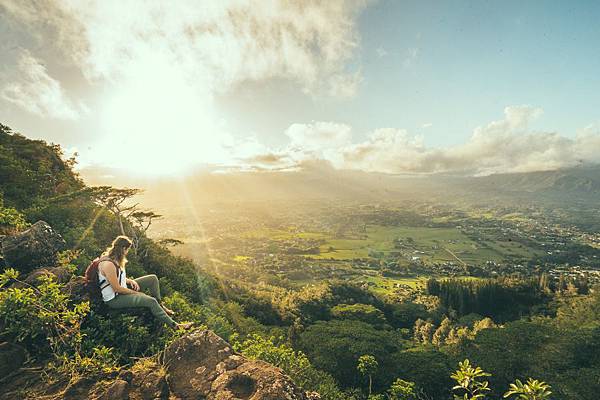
x=116, y=201
x=367, y=365
x=531, y=390
x=442, y=332
x=141, y=221
x=467, y=379
x=402, y=390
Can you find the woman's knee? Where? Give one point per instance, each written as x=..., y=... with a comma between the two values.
x=148, y=301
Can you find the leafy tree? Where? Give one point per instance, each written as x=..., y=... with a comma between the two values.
x=117, y=201
x=402, y=390
x=367, y=365
x=335, y=346
x=530, y=390
x=468, y=381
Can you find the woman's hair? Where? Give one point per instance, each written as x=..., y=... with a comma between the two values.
x=117, y=250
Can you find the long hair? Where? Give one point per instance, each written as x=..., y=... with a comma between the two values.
x=117, y=250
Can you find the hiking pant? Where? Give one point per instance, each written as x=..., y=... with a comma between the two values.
x=149, y=283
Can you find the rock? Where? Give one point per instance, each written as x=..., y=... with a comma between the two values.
x=202, y=365
x=12, y=357
x=76, y=290
x=79, y=389
x=118, y=390
x=151, y=383
x=62, y=275
x=34, y=248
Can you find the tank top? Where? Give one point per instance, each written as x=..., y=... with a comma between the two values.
x=108, y=293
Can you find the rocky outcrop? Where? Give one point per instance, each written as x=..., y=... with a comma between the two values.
x=36, y=247
x=202, y=365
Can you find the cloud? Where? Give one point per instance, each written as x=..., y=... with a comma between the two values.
x=345, y=85
x=217, y=45
x=161, y=66
x=318, y=135
x=505, y=145
x=30, y=87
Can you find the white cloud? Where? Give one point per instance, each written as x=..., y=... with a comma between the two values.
x=318, y=135
x=30, y=87
x=506, y=145
x=161, y=65
x=215, y=44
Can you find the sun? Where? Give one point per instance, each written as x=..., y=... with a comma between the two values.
x=157, y=124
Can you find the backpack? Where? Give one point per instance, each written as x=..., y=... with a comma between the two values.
x=92, y=283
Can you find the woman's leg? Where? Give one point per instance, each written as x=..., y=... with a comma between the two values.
x=141, y=300
x=150, y=283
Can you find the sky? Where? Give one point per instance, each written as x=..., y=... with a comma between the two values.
x=155, y=88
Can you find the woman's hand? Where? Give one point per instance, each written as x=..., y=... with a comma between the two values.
x=134, y=285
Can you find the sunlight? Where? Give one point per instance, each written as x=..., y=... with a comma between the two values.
x=157, y=124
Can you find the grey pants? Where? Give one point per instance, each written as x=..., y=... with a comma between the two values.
x=147, y=283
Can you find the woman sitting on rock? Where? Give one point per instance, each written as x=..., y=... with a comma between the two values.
x=114, y=284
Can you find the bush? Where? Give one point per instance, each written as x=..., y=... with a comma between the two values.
x=293, y=363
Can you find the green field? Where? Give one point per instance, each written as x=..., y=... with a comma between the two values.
x=431, y=245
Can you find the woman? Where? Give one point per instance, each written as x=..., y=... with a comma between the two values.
x=113, y=284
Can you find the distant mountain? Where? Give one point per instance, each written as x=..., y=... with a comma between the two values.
x=572, y=181
x=322, y=182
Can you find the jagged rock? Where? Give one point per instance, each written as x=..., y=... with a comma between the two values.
x=34, y=248
x=202, y=365
x=12, y=357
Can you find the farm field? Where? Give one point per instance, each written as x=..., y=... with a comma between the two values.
x=429, y=245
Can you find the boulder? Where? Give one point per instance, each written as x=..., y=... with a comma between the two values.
x=118, y=390
x=61, y=274
x=12, y=357
x=34, y=248
x=202, y=365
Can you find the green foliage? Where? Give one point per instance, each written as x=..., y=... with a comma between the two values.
x=367, y=365
x=530, y=390
x=502, y=299
x=100, y=362
x=335, y=347
x=32, y=171
x=201, y=314
x=360, y=312
x=41, y=317
x=402, y=390
x=11, y=220
x=469, y=381
x=294, y=363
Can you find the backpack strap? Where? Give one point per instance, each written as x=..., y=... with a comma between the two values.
x=117, y=270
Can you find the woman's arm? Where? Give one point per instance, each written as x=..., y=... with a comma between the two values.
x=108, y=270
